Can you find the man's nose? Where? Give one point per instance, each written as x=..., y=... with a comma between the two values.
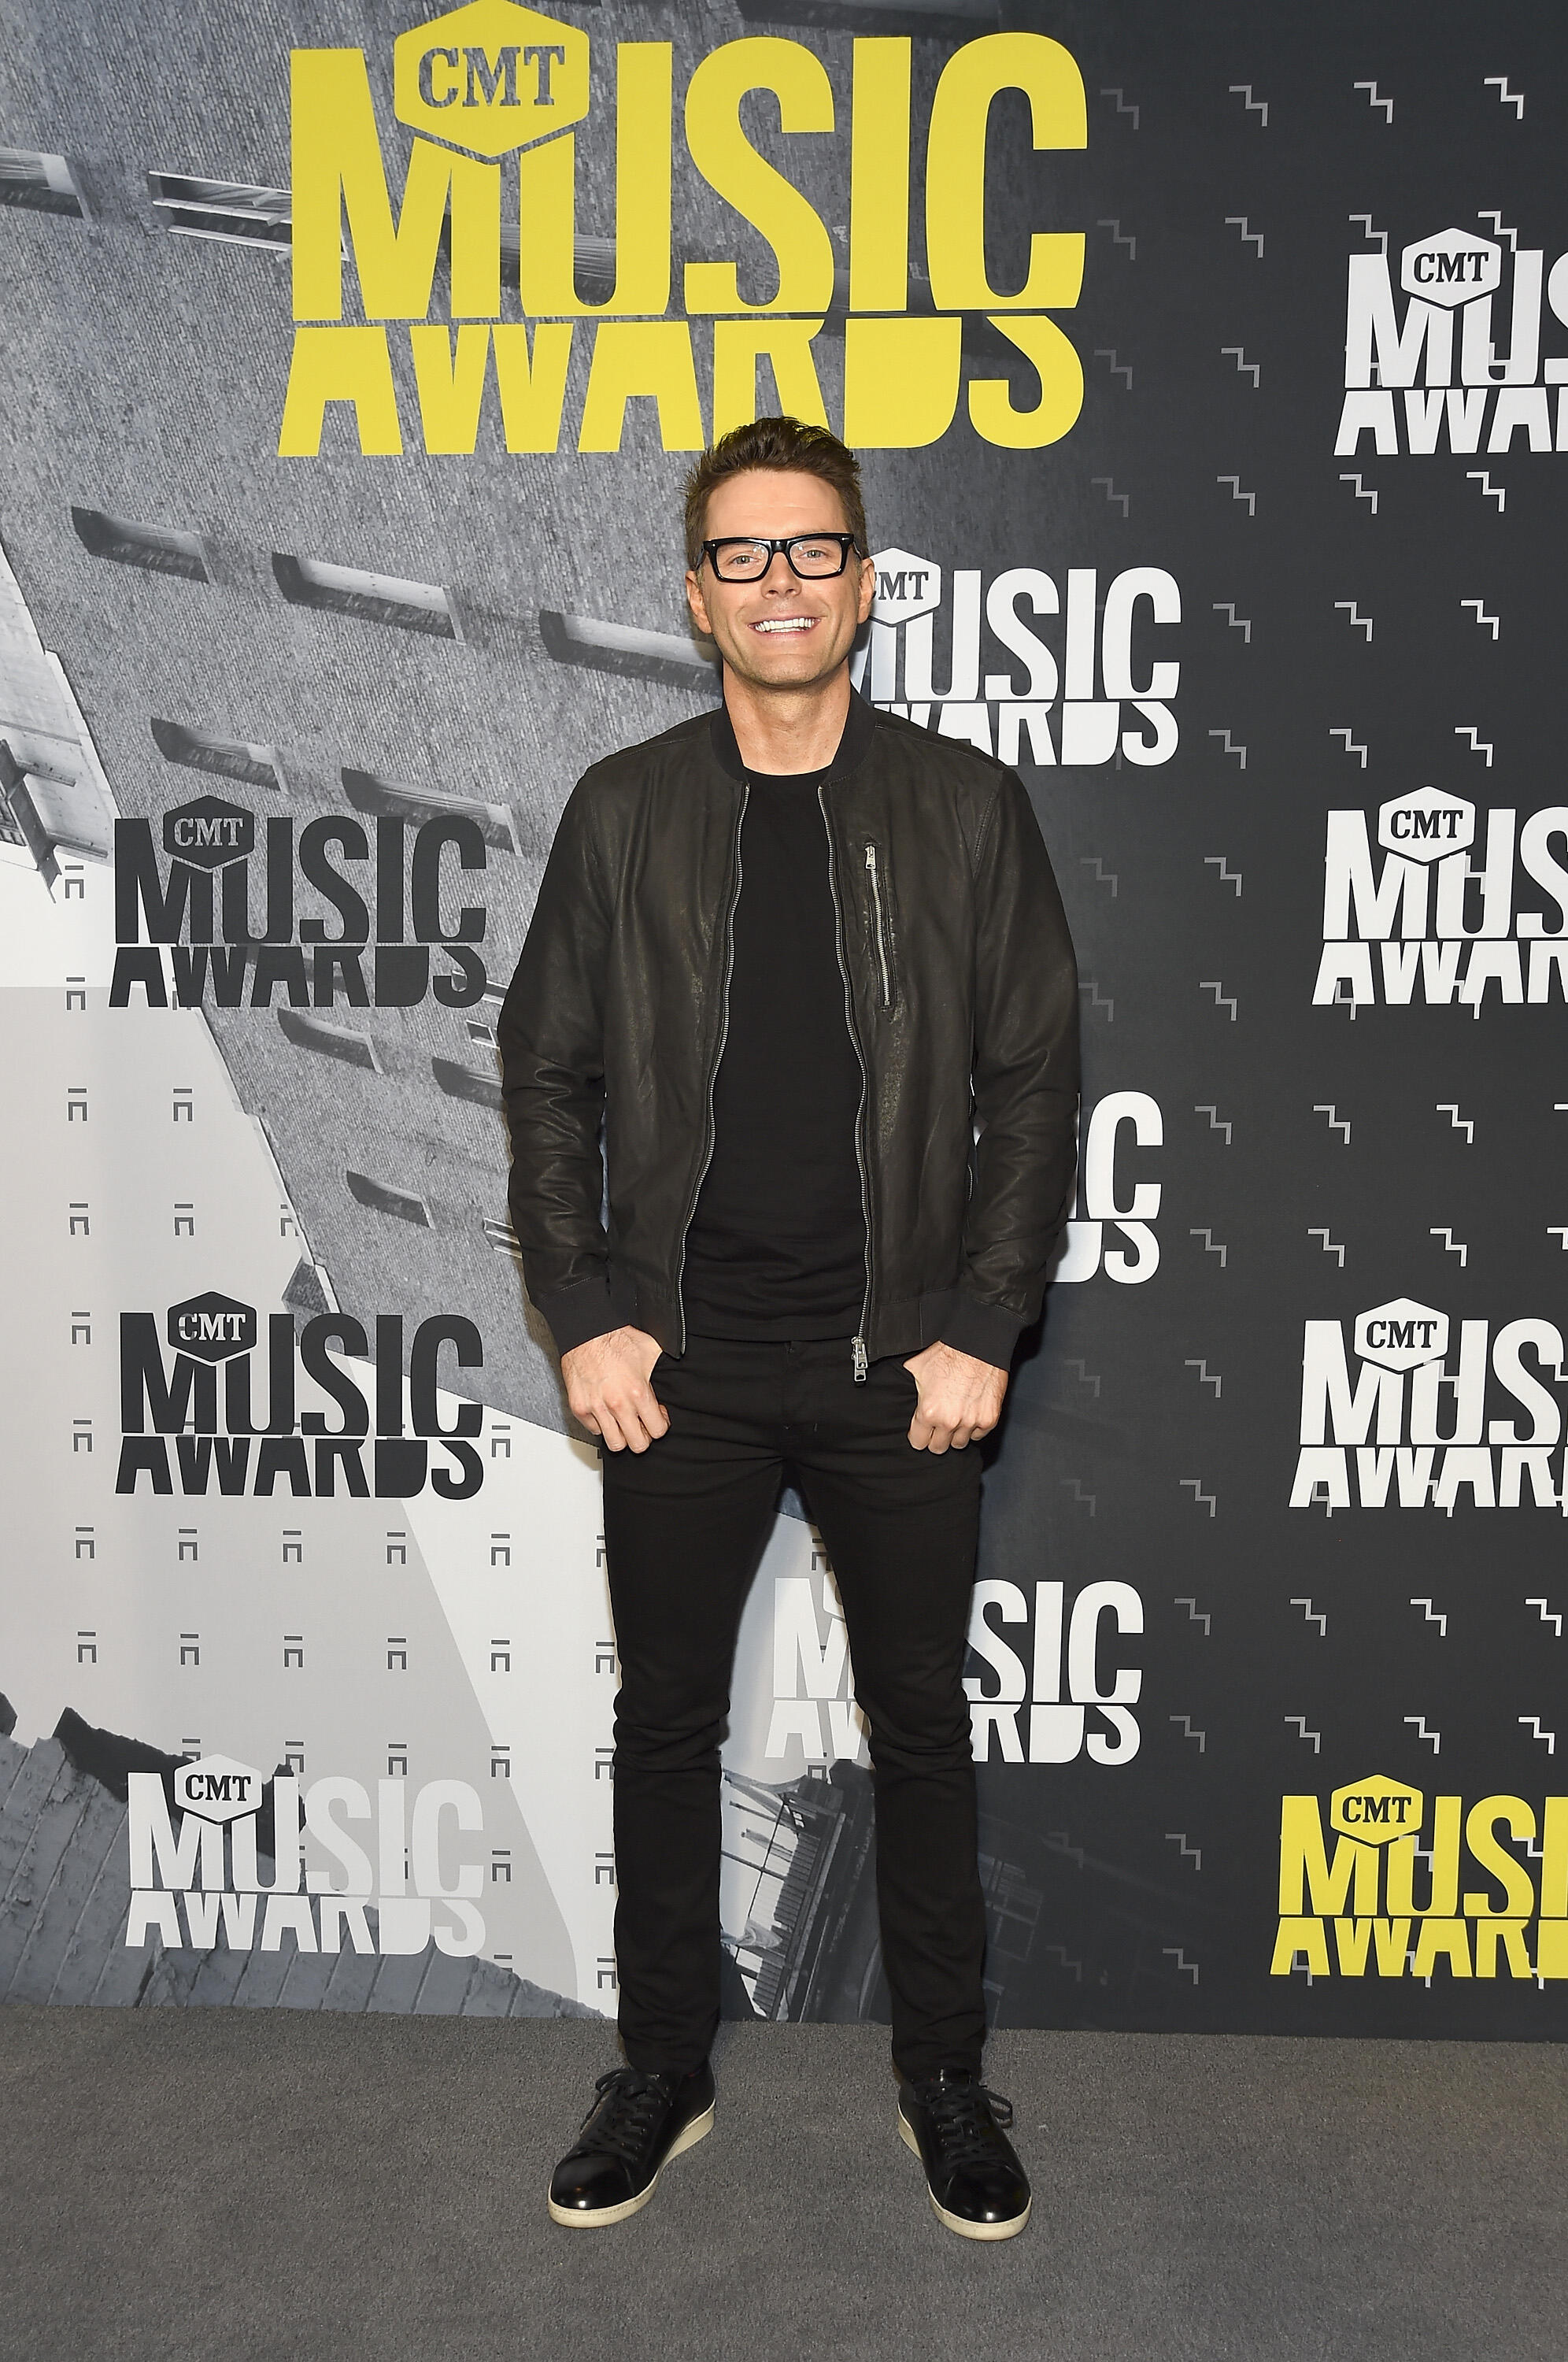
x=785, y=578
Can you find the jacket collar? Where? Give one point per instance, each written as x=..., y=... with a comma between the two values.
x=858, y=730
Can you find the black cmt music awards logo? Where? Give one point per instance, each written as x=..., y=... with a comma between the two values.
x=216, y=914
x=227, y=1401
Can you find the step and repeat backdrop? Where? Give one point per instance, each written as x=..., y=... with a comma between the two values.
x=1210, y=369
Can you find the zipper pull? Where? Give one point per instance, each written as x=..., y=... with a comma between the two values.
x=873, y=874
x=859, y=1360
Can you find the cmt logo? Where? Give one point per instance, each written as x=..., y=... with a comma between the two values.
x=1004, y=677
x=1376, y=1810
x=1403, y=1335
x=1412, y=1423
x=1452, y=268
x=212, y=1327
x=1442, y=377
x=1430, y=923
x=1427, y=826
x=490, y=77
x=217, y=1789
x=906, y=586
x=1403, y=1894
x=208, y=833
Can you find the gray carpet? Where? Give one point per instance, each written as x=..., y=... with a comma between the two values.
x=275, y=2187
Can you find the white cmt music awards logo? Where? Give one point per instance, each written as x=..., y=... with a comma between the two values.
x=1411, y=1424
x=1001, y=678
x=1436, y=920
x=321, y=1878
x=1048, y=1693
x=1439, y=378
x=1111, y=1225
x=1056, y=1694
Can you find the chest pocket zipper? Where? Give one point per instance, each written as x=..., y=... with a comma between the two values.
x=874, y=878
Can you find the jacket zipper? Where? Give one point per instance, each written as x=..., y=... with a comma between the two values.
x=718, y=1056
x=873, y=874
x=859, y=1360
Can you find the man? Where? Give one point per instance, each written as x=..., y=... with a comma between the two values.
x=803, y=968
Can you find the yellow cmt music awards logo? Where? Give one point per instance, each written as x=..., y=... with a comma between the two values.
x=481, y=267
x=1484, y=1891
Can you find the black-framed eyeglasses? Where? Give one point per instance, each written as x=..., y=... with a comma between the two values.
x=814, y=556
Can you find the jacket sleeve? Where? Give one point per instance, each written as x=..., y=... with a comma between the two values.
x=1025, y=1072
x=552, y=1051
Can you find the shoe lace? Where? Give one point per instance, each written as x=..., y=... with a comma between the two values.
x=966, y=2118
x=627, y=2113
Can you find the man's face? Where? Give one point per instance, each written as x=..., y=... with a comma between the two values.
x=777, y=631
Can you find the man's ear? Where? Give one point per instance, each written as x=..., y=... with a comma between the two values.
x=695, y=601
x=867, y=588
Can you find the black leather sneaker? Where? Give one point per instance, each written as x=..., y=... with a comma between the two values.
x=956, y=2127
x=636, y=2124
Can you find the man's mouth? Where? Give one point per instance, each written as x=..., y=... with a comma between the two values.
x=786, y=623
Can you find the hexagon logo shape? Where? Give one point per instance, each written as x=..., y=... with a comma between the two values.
x=1426, y=826
x=209, y=834
x=906, y=586
x=1452, y=268
x=216, y=1788
x=490, y=77
x=1402, y=1334
x=1376, y=1811
x=212, y=1327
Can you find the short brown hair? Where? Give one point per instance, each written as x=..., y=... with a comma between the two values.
x=785, y=445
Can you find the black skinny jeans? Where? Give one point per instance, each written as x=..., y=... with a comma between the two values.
x=685, y=1524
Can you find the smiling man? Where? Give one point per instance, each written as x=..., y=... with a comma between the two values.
x=798, y=1010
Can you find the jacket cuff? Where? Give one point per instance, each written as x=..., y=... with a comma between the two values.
x=589, y=1307
x=988, y=1331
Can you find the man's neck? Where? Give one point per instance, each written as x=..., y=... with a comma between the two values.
x=788, y=731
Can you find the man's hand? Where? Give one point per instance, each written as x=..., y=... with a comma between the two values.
x=960, y=1398
x=607, y=1387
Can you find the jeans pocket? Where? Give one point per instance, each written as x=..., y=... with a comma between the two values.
x=909, y=1397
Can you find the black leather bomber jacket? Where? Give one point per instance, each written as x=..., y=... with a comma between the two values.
x=960, y=992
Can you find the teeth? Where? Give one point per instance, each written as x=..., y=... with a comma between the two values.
x=787, y=623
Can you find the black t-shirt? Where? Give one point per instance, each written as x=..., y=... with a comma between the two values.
x=777, y=1246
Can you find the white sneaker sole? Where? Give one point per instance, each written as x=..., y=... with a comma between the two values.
x=577, y=2218
x=961, y=2222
